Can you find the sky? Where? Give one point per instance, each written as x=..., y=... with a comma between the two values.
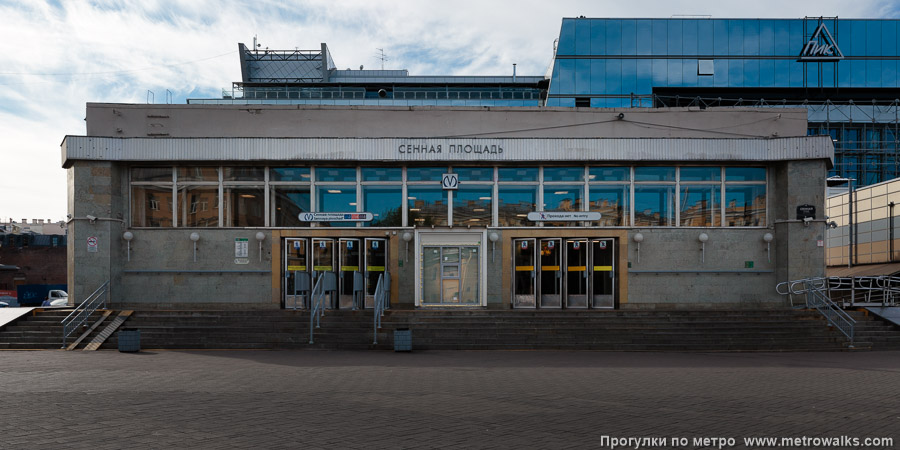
x=55, y=56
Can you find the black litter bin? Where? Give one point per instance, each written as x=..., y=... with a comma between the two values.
x=129, y=340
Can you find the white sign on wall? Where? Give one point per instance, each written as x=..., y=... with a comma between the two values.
x=336, y=217
x=92, y=244
x=450, y=181
x=539, y=216
x=241, y=247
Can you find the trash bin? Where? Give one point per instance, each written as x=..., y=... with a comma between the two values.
x=130, y=340
x=402, y=340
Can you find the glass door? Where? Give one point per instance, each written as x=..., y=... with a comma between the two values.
x=468, y=276
x=349, y=261
x=296, y=285
x=323, y=261
x=602, y=269
x=550, y=274
x=376, y=266
x=576, y=273
x=431, y=275
x=450, y=275
x=523, y=278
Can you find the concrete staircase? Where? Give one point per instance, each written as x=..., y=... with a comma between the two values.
x=40, y=330
x=765, y=330
x=875, y=332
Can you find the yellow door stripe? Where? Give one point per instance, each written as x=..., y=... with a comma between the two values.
x=550, y=268
x=524, y=268
x=602, y=268
x=577, y=268
x=296, y=268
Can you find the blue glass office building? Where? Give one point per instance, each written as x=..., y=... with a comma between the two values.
x=847, y=78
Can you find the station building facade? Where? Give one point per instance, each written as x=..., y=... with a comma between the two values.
x=243, y=205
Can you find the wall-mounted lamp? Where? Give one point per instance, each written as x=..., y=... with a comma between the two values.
x=407, y=236
x=494, y=237
x=638, y=238
x=768, y=239
x=195, y=237
x=260, y=237
x=703, y=238
x=128, y=236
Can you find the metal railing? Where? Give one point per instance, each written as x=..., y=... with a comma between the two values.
x=316, y=305
x=80, y=315
x=378, y=306
x=817, y=295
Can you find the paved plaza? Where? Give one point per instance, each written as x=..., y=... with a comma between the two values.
x=373, y=400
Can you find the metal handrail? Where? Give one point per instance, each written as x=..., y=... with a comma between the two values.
x=816, y=297
x=316, y=305
x=81, y=313
x=379, y=307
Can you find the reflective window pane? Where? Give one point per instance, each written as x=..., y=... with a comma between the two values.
x=563, y=174
x=289, y=174
x=335, y=174
x=427, y=206
x=609, y=174
x=701, y=173
x=341, y=198
x=289, y=203
x=654, y=206
x=514, y=203
x=517, y=174
x=198, y=174
x=151, y=174
x=745, y=174
x=245, y=206
x=243, y=174
x=151, y=206
x=612, y=204
x=745, y=206
x=198, y=206
x=475, y=173
x=700, y=205
x=382, y=174
x=563, y=198
x=472, y=205
x=385, y=204
x=650, y=173
x=425, y=173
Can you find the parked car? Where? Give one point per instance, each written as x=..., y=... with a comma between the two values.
x=7, y=301
x=56, y=297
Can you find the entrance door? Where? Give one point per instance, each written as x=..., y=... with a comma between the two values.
x=297, y=283
x=450, y=275
x=524, y=279
x=376, y=266
x=323, y=261
x=550, y=273
x=602, y=273
x=349, y=254
x=576, y=273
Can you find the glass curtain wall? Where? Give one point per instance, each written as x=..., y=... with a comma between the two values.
x=686, y=196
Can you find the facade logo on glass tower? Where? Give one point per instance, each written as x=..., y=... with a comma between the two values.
x=821, y=47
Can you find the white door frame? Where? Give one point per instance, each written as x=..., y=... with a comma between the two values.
x=452, y=237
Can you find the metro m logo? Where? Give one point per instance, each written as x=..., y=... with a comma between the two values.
x=821, y=47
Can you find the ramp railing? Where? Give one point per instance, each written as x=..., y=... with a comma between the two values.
x=80, y=315
x=817, y=295
x=316, y=306
x=379, y=306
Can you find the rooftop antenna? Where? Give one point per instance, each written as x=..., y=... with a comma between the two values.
x=382, y=57
x=255, y=45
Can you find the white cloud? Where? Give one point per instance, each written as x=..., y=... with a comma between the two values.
x=55, y=59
